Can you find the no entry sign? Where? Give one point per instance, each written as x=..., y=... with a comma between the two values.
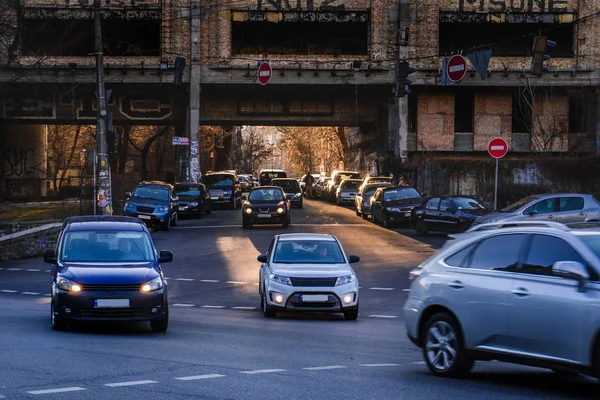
x=497, y=147
x=264, y=73
x=456, y=68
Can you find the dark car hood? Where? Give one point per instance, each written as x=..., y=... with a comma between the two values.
x=142, y=200
x=95, y=273
x=212, y=187
x=264, y=203
x=476, y=213
x=404, y=202
x=189, y=198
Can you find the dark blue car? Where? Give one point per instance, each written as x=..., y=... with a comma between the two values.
x=105, y=268
x=156, y=203
x=448, y=214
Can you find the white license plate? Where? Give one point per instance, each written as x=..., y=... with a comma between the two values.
x=181, y=208
x=264, y=215
x=407, y=214
x=314, y=298
x=144, y=217
x=111, y=303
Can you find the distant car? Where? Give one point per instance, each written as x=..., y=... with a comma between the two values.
x=245, y=183
x=336, y=178
x=308, y=272
x=153, y=202
x=266, y=205
x=291, y=189
x=394, y=204
x=559, y=207
x=267, y=175
x=224, y=189
x=346, y=192
x=105, y=268
x=447, y=214
x=362, y=201
x=320, y=187
x=376, y=179
x=194, y=199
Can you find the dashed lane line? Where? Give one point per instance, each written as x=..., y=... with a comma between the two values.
x=379, y=365
x=382, y=316
x=33, y=270
x=57, y=390
x=419, y=362
x=263, y=371
x=8, y=291
x=325, y=367
x=184, y=279
x=31, y=293
x=235, y=282
x=131, y=383
x=209, y=280
x=198, y=377
x=381, y=288
x=406, y=290
x=213, y=306
x=183, y=305
x=244, y=308
x=14, y=269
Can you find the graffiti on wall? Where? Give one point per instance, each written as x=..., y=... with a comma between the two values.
x=529, y=175
x=38, y=107
x=513, y=5
x=18, y=162
x=294, y=4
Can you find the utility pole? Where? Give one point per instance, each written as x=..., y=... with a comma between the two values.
x=104, y=189
x=401, y=103
x=194, y=107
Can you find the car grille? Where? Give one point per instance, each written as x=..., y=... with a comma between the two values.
x=110, y=288
x=313, y=305
x=327, y=282
x=145, y=209
x=265, y=210
x=406, y=209
x=116, y=313
x=182, y=204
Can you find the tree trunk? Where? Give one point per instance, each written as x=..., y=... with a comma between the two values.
x=71, y=153
x=123, y=149
x=146, y=150
x=2, y=161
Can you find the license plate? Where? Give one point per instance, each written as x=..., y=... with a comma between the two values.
x=319, y=298
x=214, y=198
x=264, y=215
x=144, y=217
x=181, y=208
x=407, y=214
x=111, y=303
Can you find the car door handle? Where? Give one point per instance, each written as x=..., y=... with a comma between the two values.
x=456, y=285
x=550, y=216
x=521, y=292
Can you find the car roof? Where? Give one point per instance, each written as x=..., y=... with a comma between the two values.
x=271, y=170
x=283, y=179
x=306, y=236
x=378, y=185
x=346, y=172
x=266, y=187
x=103, y=222
x=154, y=183
x=379, y=177
x=397, y=187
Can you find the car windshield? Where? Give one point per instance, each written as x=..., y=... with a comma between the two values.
x=350, y=184
x=467, y=203
x=272, y=175
x=187, y=190
x=400, y=194
x=308, y=252
x=290, y=186
x=350, y=175
x=266, y=195
x=107, y=246
x=218, y=180
x=154, y=193
x=378, y=179
x=370, y=191
x=519, y=204
x=593, y=241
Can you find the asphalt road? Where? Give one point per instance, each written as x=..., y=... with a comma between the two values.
x=220, y=347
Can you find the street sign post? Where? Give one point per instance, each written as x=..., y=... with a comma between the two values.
x=181, y=141
x=264, y=73
x=456, y=68
x=497, y=147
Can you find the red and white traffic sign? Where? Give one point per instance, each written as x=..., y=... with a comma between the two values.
x=264, y=73
x=497, y=147
x=456, y=68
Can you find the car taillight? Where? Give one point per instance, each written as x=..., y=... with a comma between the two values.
x=414, y=273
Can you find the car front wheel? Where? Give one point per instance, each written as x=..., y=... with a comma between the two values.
x=58, y=324
x=268, y=312
x=351, y=315
x=443, y=347
x=160, y=325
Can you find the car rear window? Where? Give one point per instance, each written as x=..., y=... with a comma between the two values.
x=350, y=184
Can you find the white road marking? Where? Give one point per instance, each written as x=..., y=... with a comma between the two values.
x=213, y=306
x=196, y=377
x=244, y=308
x=58, y=390
x=235, y=282
x=33, y=270
x=209, y=280
x=382, y=288
x=325, y=367
x=183, y=305
x=8, y=291
x=419, y=362
x=382, y=316
x=14, y=269
x=1, y=268
x=31, y=293
x=48, y=295
x=132, y=383
x=379, y=365
x=184, y=279
x=263, y=371
x=406, y=290
x=166, y=279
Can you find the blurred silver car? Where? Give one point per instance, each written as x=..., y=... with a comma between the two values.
x=307, y=272
x=558, y=207
x=362, y=201
x=524, y=292
x=346, y=192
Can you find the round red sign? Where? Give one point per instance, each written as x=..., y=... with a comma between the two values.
x=264, y=73
x=497, y=147
x=456, y=68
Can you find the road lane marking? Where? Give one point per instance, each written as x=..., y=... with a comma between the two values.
x=325, y=367
x=14, y=269
x=382, y=316
x=419, y=362
x=131, y=383
x=263, y=371
x=381, y=288
x=8, y=291
x=235, y=282
x=209, y=280
x=406, y=290
x=1, y=268
x=48, y=295
x=58, y=390
x=197, y=377
x=213, y=306
x=379, y=365
x=166, y=279
x=183, y=305
x=33, y=270
x=244, y=308
x=184, y=279
x=31, y=293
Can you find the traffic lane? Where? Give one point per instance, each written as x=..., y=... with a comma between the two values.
x=214, y=355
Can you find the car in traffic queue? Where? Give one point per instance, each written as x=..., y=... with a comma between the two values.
x=308, y=272
x=394, y=204
x=336, y=178
x=194, y=199
x=346, y=192
x=153, y=202
x=291, y=189
x=447, y=214
x=320, y=187
x=369, y=180
x=266, y=205
x=558, y=207
x=223, y=188
x=105, y=268
x=524, y=292
x=362, y=201
x=267, y=175
x=245, y=183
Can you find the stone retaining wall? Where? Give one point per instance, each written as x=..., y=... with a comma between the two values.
x=33, y=244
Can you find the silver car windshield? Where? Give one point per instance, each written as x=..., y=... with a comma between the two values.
x=107, y=246
x=593, y=242
x=308, y=252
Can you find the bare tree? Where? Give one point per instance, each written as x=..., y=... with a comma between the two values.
x=142, y=140
x=62, y=143
x=9, y=32
x=254, y=150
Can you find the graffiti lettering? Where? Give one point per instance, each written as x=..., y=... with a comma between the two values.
x=17, y=162
x=146, y=106
x=299, y=4
x=512, y=5
x=30, y=108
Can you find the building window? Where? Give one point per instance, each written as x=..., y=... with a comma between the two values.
x=412, y=112
x=463, y=112
x=576, y=115
x=521, y=112
x=300, y=33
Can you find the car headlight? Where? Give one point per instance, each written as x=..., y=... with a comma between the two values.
x=129, y=206
x=194, y=204
x=342, y=280
x=248, y=211
x=162, y=209
x=227, y=192
x=153, y=285
x=68, y=285
x=393, y=209
x=297, y=195
x=280, y=279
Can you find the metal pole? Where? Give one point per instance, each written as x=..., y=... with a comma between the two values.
x=496, y=188
x=95, y=161
x=104, y=198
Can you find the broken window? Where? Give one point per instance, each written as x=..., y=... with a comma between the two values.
x=521, y=112
x=463, y=112
x=75, y=37
x=300, y=32
x=576, y=114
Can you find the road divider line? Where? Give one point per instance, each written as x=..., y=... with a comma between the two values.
x=382, y=316
x=131, y=383
x=33, y=270
x=209, y=280
x=263, y=371
x=406, y=290
x=184, y=279
x=381, y=288
x=166, y=279
x=31, y=293
x=57, y=390
x=256, y=284
x=8, y=291
x=213, y=306
x=1, y=269
x=379, y=365
x=235, y=283
x=14, y=269
x=197, y=377
x=325, y=367
x=243, y=308
x=419, y=362
x=183, y=305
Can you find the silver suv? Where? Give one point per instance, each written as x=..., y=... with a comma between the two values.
x=523, y=292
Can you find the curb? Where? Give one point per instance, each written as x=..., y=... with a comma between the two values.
x=30, y=231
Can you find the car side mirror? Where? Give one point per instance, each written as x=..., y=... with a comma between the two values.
x=127, y=195
x=532, y=212
x=165, y=256
x=424, y=194
x=262, y=258
x=49, y=256
x=353, y=259
x=572, y=270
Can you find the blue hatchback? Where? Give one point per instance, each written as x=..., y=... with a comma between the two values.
x=155, y=203
x=105, y=268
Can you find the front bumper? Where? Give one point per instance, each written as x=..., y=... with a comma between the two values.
x=293, y=298
x=266, y=218
x=221, y=200
x=412, y=315
x=346, y=200
x=395, y=216
x=187, y=210
x=155, y=218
